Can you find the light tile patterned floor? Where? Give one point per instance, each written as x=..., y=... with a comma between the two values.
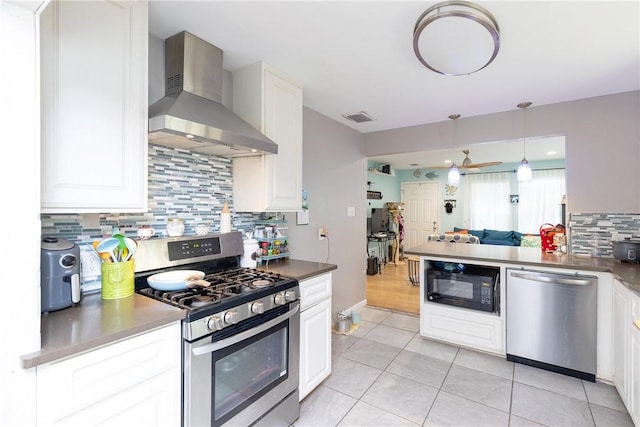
x=385, y=374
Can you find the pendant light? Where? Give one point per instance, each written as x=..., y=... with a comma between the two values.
x=453, y=178
x=524, y=170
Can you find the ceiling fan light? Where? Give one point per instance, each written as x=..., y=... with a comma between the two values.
x=456, y=38
x=453, y=178
x=524, y=171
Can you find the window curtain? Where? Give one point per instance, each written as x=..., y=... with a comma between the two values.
x=540, y=200
x=486, y=201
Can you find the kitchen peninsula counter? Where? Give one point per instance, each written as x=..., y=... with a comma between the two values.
x=629, y=274
x=297, y=269
x=95, y=322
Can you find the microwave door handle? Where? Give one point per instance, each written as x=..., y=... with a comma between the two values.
x=218, y=345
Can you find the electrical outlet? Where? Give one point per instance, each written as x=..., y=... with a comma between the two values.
x=323, y=232
x=90, y=263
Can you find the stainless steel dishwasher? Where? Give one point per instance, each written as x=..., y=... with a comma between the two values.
x=551, y=321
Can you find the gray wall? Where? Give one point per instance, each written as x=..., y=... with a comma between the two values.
x=334, y=172
x=602, y=145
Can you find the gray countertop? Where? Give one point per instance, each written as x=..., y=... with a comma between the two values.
x=297, y=269
x=95, y=322
x=627, y=273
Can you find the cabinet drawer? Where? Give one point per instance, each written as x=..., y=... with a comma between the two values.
x=79, y=382
x=314, y=290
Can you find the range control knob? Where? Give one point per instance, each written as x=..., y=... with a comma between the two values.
x=231, y=317
x=290, y=296
x=257, y=307
x=279, y=299
x=215, y=323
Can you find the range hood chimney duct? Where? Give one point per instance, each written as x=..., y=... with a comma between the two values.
x=191, y=115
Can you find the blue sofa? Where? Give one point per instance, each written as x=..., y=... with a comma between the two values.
x=495, y=237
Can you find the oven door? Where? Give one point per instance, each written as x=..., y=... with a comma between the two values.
x=237, y=375
x=461, y=290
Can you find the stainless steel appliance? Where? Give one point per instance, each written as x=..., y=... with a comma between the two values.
x=59, y=274
x=191, y=115
x=551, y=321
x=463, y=285
x=627, y=250
x=240, y=334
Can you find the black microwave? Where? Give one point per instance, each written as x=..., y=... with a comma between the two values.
x=463, y=285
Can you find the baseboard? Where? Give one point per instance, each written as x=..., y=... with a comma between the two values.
x=357, y=306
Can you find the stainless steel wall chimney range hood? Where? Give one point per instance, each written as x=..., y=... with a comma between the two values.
x=191, y=115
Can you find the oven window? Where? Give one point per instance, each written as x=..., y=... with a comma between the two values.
x=455, y=288
x=247, y=370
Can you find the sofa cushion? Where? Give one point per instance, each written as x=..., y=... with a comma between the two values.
x=517, y=238
x=478, y=233
x=497, y=235
x=453, y=238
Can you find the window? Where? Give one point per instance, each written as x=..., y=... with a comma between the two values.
x=540, y=200
x=487, y=202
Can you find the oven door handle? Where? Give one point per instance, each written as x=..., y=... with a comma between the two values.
x=218, y=345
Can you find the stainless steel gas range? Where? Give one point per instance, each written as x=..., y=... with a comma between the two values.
x=240, y=334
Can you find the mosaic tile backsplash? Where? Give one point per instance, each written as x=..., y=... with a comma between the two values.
x=182, y=184
x=592, y=234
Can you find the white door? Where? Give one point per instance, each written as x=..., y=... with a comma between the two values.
x=421, y=211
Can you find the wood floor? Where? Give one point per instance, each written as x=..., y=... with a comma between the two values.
x=392, y=289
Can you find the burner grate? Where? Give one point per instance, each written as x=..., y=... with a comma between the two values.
x=225, y=284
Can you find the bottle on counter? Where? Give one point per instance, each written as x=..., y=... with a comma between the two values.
x=225, y=218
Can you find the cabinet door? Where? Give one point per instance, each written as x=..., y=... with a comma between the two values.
x=283, y=124
x=272, y=103
x=621, y=316
x=315, y=346
x=94, y=106
x=634, y=360
x=133, y=382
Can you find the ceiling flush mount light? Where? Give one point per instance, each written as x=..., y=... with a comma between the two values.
x=524, y=170
x=453, y=178
x=456, y=38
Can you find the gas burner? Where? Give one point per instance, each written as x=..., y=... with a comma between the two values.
x=261, y=283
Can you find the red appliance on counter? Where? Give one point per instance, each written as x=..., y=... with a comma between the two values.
x=240, y=334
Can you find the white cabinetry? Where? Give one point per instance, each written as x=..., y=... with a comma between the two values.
x=272, y=103
x=315, y=332
x=634, y=359
x=462, y=326
x=626, y=348
x=620, y=329
x=94, y=102
x=133, y=382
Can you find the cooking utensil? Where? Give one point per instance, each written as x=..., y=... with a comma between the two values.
x=121, y=246
x=103, y=255
x=109, y=246
x=176, y=280
x=132, y=246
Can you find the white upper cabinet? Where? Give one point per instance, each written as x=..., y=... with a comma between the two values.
x=272, y=103
x=94, y=65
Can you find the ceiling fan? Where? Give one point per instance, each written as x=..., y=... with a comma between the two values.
x=467, y=164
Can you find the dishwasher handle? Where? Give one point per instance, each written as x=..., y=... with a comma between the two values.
x=551, y=278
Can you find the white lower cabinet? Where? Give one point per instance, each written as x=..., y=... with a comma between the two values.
x=634, y=360
x=133, y=382
x=463, y=327
x=626, y=348
x=620, y=334
x=315, y=332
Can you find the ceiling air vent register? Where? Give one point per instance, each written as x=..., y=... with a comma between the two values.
x=359, y=117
